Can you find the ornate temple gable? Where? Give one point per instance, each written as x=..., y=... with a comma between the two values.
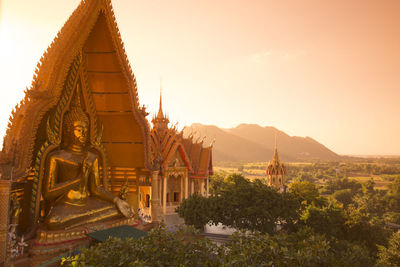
x=164, y=144
x=177, y=160
x=91, y=29
x=177, y=151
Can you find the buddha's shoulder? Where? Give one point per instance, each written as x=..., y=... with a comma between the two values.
x=62, y=154
x=92, y=156
x=59, y=153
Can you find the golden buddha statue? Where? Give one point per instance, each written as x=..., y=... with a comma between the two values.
x=71, y=185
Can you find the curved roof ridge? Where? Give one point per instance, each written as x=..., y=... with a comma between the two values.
x=50, y=74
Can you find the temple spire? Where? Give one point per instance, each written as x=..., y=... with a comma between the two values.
x=276, y=170
x=161, y=120
x=160, y=111
x=275, y=157
x=160, y=108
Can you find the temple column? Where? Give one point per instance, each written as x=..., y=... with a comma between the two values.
x=202, y=187
x=182, y=188
x=208, y=181
x=192, y=187
x=155, y=197
x=5, y=186
x=186, y=186
x=165, y=194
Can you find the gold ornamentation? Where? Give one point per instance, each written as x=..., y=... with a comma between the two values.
x=71, y=186
x=49, y=82
x=52, y=136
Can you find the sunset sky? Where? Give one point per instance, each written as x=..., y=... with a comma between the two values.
x=325, y=69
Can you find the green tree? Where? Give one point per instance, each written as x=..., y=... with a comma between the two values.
x=297, y=249
x=307, y=192
x=365, y=229
x=345, y=253
x=243, y=204
x=302, y=176
x=390, y=256
x=216, y=182
x=186, y=248
x=159, y=248
x=344, y=196
x=195, y=210
x=326, y=220
x=392, y=217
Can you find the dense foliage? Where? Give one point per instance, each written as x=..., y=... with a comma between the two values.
x=299, y=227
x=354, y=217
x=196, y=211
x=185, y=248
x=159, y=248
x=390, y=256
x=242, y=204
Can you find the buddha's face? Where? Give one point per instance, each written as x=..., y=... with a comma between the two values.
x=80, y=132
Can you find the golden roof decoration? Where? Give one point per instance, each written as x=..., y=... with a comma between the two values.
x=49, y=78
x=165, y=141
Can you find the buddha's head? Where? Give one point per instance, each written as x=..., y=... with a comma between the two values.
x=76, y=125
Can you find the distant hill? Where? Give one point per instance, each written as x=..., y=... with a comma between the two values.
x=251, y=142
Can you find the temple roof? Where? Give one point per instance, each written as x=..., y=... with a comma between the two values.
x=83, y=32
x=165, y=141
x=122, y=232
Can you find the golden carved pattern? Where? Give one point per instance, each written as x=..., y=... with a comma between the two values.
x=76, y=79
x=164, y=143
x=5, y=186
x=49, y=79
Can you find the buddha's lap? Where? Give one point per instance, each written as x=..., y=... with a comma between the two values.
x=64, y=214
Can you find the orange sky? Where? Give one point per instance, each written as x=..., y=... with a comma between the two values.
x=325, y=69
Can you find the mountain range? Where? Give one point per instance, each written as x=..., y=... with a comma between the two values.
x=252, y=142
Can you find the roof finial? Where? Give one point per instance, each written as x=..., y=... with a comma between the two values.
x=160, y=109
x=160, y=114
x=275, y=157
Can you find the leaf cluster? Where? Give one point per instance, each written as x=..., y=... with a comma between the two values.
x=160, y=248
x=242, y=204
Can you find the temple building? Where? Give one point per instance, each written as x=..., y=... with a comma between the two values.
x=184, y=166
x=79, y=154
x=276, y=172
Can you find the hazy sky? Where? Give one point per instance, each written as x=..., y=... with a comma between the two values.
x=325, y=69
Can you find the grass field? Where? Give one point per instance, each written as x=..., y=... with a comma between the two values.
x=256, y=170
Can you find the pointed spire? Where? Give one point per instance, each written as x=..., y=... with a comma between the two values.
x=160, y=111
x=161, y=120
x=275, y=157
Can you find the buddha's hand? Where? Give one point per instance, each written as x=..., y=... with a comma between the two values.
x=124, y=207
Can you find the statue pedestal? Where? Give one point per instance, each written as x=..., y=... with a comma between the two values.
x=49, y=244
